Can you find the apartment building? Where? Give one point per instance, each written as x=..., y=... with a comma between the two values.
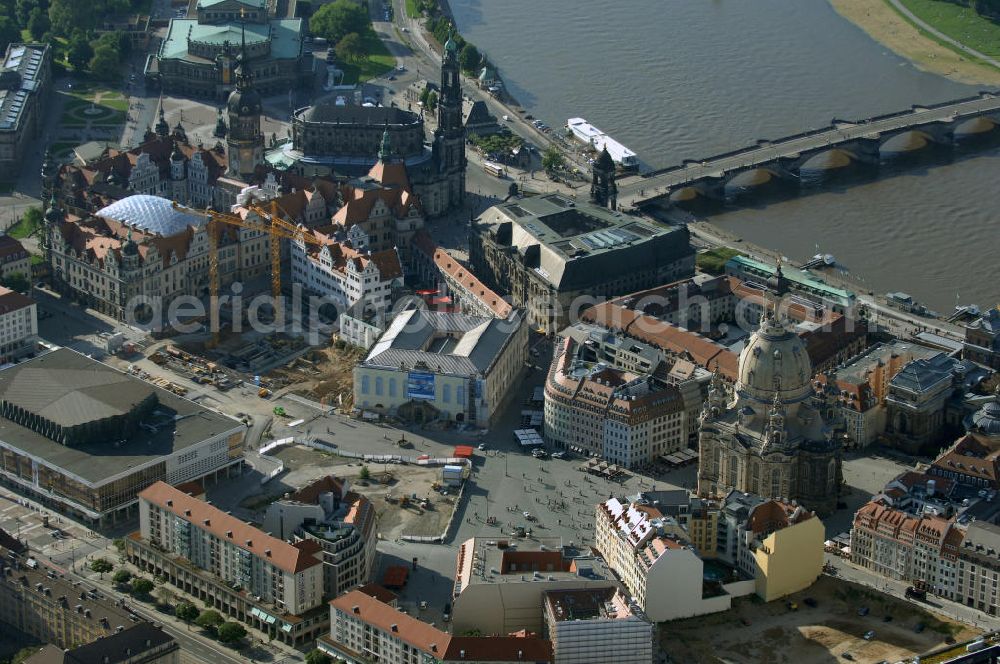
x=38, y=601
x=777, y=543
x=341, y=521
x=242, y=571
x=906, y=547
x=14, y=258
x=143, y=643
x=655, y=561
x=366, y=630
x=585, y=625
x=626, y=417
x=499, y=584
x=18, y=325
x=979, y=567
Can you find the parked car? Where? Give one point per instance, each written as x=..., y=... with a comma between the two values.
x=869, y=635
x=482, y=446
x=863, y=611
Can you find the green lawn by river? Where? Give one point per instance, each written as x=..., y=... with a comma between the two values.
x=959, y=23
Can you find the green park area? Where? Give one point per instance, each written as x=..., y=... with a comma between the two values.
x=374, y=63
x=413, y=8
x=94, y=105
x=963, y=24
x=360, y=53
x=714, y=260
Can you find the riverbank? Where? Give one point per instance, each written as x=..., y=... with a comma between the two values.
x=887, y=27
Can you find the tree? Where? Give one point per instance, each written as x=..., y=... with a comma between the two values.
x=209, y=620
x=79, y=52
x=9, y=32
x=469, y=58
x=350, y=48
x=339, y=18
x=142, y=586
x=68, y=16
x=187, y=612
x=552, y=159
x=38, y=23
x=365, y=474
x=432, y=101
x=231, y=632
x=317, y=657
x=165, y=595
x=101, y=566
x=424, y=94
x=122, y=576
x=105, y=62
x=16, y=281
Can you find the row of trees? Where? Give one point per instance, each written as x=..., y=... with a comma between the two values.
x=209, y=620
x=470, y=59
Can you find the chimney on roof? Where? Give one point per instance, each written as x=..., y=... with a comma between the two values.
x=229, y=534
x=187, y=512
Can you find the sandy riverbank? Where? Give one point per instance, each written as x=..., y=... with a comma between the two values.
x=891, y=30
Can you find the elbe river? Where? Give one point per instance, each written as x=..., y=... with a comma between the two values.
x=687, y=79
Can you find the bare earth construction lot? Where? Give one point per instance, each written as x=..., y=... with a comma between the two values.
x=822, y=634
x=304, y=465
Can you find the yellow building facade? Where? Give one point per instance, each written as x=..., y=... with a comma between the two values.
x=790, y=559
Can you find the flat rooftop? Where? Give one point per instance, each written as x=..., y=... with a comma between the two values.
x=483, y=560
x=174, y=425
x=587, y=604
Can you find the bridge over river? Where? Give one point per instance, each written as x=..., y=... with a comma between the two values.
x=859, y=141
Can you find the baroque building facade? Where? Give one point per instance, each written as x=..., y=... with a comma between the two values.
x=770, y=439
x=335, y=134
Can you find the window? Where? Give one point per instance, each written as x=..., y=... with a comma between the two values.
x=365, y=385
x=378, y=386
x=446, y=393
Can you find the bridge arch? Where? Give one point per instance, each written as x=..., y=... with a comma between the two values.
x=909, y=140
x=828, y=160
x=978, y=125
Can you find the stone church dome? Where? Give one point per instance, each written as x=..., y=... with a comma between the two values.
x=986, y=420
x=774, y=360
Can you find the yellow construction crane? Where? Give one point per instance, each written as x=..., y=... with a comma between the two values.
x=270, y=222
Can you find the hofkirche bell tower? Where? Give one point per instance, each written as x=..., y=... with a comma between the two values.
x=449, y=137
x=244, y=140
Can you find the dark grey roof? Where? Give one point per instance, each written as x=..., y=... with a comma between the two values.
x=574, y=245
x=179, y=423
x=987, y=418
x=21, y=72
x=121, y=647
x=982, y=542
x=327, y=110
x=73, y=395
x=922, y=374
x=444, y=342
x=152, y=214
x=476, y=113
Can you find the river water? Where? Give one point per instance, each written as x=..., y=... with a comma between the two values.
x=686, y=79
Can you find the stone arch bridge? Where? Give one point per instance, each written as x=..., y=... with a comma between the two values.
x=859, y=141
